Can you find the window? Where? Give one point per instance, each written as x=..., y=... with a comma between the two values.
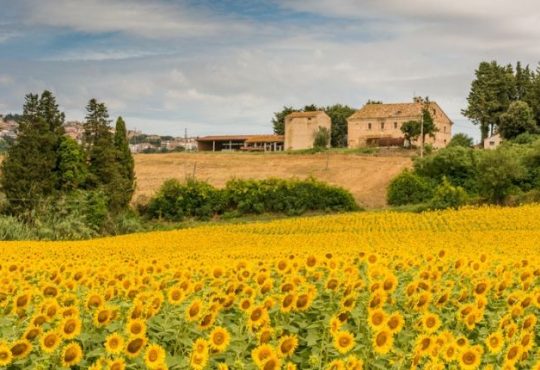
x=369, y=126
x=382, y=125
x=395, y=124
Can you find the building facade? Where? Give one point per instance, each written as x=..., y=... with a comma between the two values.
x=493, y=141
x=252, y=143
x=380, y=125
x=301, y=128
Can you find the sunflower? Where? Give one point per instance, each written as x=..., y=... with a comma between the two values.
x=154, y=356
x=336, y=365
x=383, y=341
x=424, y=344
x=102, y=316
x=32, y=332
x=258, y=316
x=116, y=364
x=71, y=355
x=222, y=366
x=495, y=342
x=70, y=328
x=194, y=310
x=287, y=345
x=449, y=352
x=526, y=340
x=21, y=348
x=175, y=296
x=94, y=300
x=201, y=346
x=261, y=353
x=265, y=334
x=353, y=363
x=49, y=341
x=134, y=346
x=219, y=339
x=469, y=359
x=5, y=354
x=430, y=322
x=376, y=318
x=287, y=302
x=198, y=361
x=114, y=343
x=513, y=354
x=335, y=324
x=343, y=341
x=395, y=322
x=303, y=302
x=136, y=328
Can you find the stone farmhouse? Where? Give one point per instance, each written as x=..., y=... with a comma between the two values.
x=301, y=128
x=380, y=124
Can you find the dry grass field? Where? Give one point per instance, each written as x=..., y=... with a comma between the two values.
x=365, y=176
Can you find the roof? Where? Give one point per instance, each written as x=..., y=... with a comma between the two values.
x=304, y=114
x=396, y=110
x=246, y=138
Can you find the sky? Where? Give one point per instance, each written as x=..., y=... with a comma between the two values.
x=225, y=66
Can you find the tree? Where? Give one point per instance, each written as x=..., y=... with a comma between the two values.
x=490, y=95
x=461, y=140
x=427, y=126
x=29, y=171
x=498, y=171
x=104, y=168
x=278, y=122
x=338, y=114
x=374, y=101
x=517, y=120
x=411, y=131
x=322, y=138
x=72, y=168
x=125, y=161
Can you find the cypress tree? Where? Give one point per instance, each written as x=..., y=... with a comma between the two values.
x=125, y=163
x=29, y=171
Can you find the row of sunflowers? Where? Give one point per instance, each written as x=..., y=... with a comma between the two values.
x=438, y=290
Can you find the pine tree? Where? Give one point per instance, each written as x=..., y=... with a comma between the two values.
x=29, y=171
x=125, y=162
x=104, y=170
x=72, y=168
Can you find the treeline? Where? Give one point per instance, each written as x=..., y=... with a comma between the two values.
x=504, y=99
x=176, y=201
x=338, y=113
x=460, y=175
x=49, y=179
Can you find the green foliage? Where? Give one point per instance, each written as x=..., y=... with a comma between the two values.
x=499, y=171
x=411, y=130
x=526, y=138
x=29, y=171
x=338, y=114
x=517, y=120
x=72, y=168
x=194, y=199
x=457, y=164
x=125, y=186
x=322, y=138
x=13, y=229
x=409, y=188
x=176, y=201
x=462, y=140
x=448, y=196
x=278, y=121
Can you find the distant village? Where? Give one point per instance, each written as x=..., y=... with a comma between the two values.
x=139, y=142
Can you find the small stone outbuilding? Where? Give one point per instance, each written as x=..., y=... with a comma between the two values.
x=301, y=128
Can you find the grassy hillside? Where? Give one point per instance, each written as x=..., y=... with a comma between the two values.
x=366, y=177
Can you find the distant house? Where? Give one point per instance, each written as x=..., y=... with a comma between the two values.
x=493, y=141
x=301, y=128
x=262, y=143
x=380, y=124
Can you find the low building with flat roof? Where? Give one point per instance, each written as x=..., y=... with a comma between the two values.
x=262, y=143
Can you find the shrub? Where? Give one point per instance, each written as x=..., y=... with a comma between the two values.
x=175, y=201
x=322, y=138
x=461, y=140
x=457, y=164
x=448, y=196
x=409, y=188
x=13, y=229
x=499, y=171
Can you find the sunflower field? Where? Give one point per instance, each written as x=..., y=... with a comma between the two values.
x=437, y=290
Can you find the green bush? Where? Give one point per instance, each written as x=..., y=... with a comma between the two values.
x=13, y=229
x=194, y=199
x=448, y=196
x=176, y=201
x=457, y=164
x=409, y=188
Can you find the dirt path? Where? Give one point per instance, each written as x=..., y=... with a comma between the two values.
x=365, y=176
